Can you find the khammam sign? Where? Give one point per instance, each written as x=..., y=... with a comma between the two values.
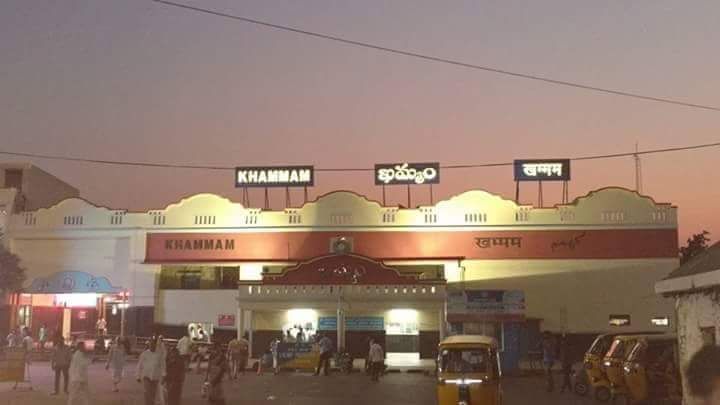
x=542, y=170
x=275, y=176
x=414, y=245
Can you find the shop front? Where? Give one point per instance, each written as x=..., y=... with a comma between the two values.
x=349, y=298
x=72, y=304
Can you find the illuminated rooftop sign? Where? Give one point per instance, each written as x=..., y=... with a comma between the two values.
x=407, y=173
x=542, y=170
x=275, y=176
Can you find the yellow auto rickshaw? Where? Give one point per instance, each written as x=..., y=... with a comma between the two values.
x=594, y=369
x=468, y=371
x=614, y=361
x=651, y=371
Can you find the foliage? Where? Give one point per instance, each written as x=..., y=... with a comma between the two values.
x=695, y=244
x=12, y=275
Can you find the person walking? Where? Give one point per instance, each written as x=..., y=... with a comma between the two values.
x=233, y=354
x=326, y=347
x=117, y=357
x=150, y=371
x=174, y=376
x=244, y=352
x=42, y=337
x=566, y=363
x=274, y=349
x=79, y=389
x=60, y=363
x=377, y=360
x=184, y=346
x=217, y=367
x=549, y=349
x=13, y=338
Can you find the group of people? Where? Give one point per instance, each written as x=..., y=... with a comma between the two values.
x=20, y=337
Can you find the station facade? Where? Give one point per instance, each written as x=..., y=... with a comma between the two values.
x=349, y=267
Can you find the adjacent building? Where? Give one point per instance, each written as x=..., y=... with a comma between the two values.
x=695, y=287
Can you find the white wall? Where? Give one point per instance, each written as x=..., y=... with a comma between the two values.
x=695, y=311
x=178, y=307
x=578, y=296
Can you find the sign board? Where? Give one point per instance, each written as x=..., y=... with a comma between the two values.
x=355, y=323
x=67, y=282
x=389, y=174
x=226, y=320
x=12, y=365
x=275, y=176
x=542, y=170
x=298, y=355
x=485, y=305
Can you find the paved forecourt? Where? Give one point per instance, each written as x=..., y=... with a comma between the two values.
x=285, y=389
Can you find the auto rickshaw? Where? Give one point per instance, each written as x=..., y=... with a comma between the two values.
x=593, y=363
x=651, y=371
x=468, y=371
x=593, y=366
x=614, y=360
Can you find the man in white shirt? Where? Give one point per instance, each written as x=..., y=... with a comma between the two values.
x=151, y=371
x=79, y=393
x=184, y=346
x=377, y=359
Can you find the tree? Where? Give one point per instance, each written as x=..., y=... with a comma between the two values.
x=12, y=275
x=695, y=244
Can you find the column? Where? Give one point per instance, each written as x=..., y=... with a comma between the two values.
x=340, y=328
x=442, y=323
x=250, y=333
x=240, y=322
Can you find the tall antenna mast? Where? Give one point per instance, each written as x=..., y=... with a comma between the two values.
x=638, y=170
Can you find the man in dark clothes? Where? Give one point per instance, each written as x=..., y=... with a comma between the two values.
x=60, y=362
x=175, y=376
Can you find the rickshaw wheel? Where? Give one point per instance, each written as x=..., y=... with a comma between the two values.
x=581, y=389
x=602, y=394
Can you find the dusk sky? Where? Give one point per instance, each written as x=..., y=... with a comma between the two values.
x=138, y=80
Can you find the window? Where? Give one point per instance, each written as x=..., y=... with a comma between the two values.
x=190, y=280
x=13, y=178
x=708, y=335
x=620, y=320
x=465, y=361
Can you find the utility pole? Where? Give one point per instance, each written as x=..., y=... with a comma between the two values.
x=638, y=170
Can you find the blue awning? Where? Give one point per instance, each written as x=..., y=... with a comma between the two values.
x=72, y=282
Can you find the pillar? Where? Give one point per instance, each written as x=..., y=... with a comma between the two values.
x=442, y=323
x=239, y=322
x=340, y=328
x=250, y=333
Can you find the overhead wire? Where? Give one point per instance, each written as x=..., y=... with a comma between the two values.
x=432, y=58
x=338, y=169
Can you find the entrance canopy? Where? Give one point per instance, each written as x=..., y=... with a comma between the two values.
x=344, y=278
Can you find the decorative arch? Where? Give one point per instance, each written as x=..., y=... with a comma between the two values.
x=341, y=269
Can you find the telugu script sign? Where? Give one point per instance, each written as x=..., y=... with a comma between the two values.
x=545, y=170
x=407, y=173
x=275, y=176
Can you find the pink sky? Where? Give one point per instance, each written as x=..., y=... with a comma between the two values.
x=134, y=80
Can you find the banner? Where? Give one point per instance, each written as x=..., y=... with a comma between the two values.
x=353, y=323
x=485, y=305
x=298, y=355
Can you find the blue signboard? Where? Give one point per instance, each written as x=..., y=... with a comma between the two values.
x=67, y=282
x=364, y=323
